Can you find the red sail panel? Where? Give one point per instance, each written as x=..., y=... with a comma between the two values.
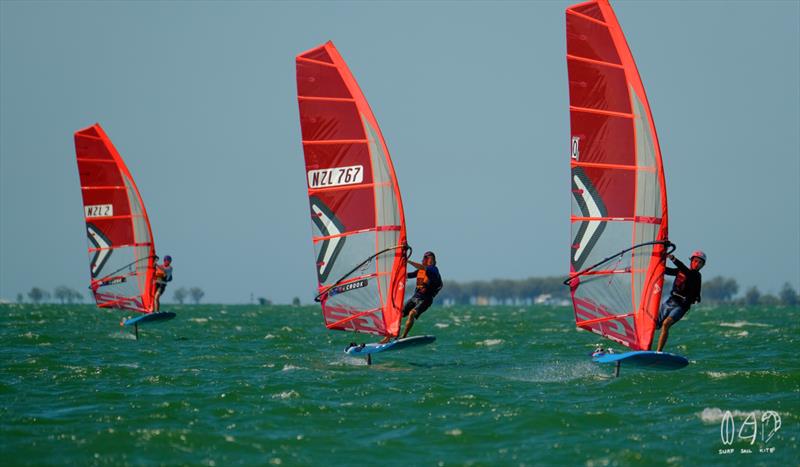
x=358, y=227
x=121, y=249
x=619, y=199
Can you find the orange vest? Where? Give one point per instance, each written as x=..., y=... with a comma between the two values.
x=422, y=280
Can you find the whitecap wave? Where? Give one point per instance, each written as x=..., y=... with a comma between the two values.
x=741, y=324
x=490, y=342
x=286, y=394
x=713, y=415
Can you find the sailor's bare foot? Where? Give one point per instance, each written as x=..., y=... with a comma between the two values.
x=385, y=340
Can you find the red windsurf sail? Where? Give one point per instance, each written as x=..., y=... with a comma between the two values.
x=619, y=200
x=358, y=227
x=121, y=250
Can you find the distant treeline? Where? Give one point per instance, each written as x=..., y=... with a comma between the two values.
x=196, y=293
x=551, y=290
x=504, y=291
x=61, y=294
x=66, y=295
x=539, y=290
x=725, y=289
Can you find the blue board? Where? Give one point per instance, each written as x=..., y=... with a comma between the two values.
x=644, y=359
x=149, y=318
x=368, y=349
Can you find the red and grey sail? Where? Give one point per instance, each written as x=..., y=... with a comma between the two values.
x=619, y=200
x=121, y=250
x=358, y=227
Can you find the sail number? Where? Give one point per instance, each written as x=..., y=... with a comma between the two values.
x=575, y=150
x=335, y=176
x=99, y=210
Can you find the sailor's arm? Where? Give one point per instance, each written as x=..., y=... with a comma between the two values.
x=678, y=263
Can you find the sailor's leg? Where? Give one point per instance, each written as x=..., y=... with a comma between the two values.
x=663, y=312
x=662, y=339
x=386, y=339
x=157, y=300
x=410, y=322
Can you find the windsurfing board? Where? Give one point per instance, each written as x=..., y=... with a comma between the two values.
x=399, y=344
x=643, y=359
x=148, y=318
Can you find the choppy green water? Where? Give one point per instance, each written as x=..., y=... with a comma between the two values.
x=224, y=385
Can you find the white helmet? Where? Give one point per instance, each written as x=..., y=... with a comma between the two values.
x=698, y=254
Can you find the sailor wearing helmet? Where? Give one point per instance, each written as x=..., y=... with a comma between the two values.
x=685, y=292
x=163, y=274
x=429, y=283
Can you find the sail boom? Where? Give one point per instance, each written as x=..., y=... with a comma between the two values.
x=603, y=319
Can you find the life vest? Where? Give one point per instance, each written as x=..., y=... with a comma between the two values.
x=422, y=280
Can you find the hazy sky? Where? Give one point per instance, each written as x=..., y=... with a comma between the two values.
x=200, y=100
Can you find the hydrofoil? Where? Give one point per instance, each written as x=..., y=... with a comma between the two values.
x=647, y=359
x=398, y=344
x=148, y=318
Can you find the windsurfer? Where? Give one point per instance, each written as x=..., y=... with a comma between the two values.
x=685, y=292
x=162, y=276
x=429, y=283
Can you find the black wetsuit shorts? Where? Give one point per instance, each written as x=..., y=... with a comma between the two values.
x=419, y=303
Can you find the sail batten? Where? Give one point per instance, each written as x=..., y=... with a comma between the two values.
x=589, y=110
x=358, y=226
x=598, y=62
x=619, y=208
